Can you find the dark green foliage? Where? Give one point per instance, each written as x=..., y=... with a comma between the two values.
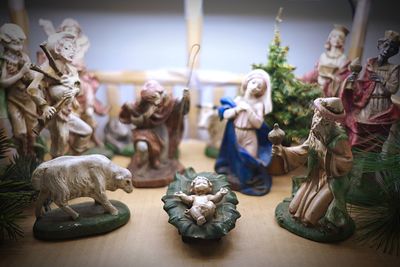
x=225, y=214
x=378, y=220
x=291, y=98
x=16, y=191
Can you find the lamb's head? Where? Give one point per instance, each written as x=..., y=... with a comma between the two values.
x=123, y=179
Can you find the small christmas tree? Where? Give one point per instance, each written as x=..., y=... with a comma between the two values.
x=292, y=99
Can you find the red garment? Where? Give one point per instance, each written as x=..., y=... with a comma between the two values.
x=366, y=135
x=168, y=113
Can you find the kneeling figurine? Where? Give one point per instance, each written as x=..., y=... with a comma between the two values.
x=317, y=208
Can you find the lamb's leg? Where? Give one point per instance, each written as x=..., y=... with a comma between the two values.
x=43, y=195
x=67, y=209
x=107, y=204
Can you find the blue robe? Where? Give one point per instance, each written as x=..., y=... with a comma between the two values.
x=236, y=161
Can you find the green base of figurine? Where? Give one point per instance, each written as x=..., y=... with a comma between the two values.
x=318, y=234
x=211, y=152
x=93, y=220
x=225, y=213
x=127, y=151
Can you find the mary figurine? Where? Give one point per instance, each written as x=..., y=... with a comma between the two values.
x=245, y=150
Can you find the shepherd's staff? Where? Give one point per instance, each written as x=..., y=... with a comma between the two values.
x=191, y=60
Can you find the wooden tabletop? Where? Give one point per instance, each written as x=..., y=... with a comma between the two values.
x=149, y=240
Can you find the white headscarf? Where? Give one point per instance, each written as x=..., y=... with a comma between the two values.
x=266, y=98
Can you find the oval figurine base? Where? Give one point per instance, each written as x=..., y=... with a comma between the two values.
x=93, y=220
x=225, y=216
x=318, y=234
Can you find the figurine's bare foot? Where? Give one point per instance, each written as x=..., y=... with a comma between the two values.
x=201, y=220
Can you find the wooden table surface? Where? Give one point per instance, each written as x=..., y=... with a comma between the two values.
x=149, y=240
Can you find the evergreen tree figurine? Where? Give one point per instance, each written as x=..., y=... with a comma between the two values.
x=291, y=97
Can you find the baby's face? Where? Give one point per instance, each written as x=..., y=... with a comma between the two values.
x=201, y=186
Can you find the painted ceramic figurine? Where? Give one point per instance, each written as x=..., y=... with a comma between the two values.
x=245, y=150
x=89, y=105
x=15, y=78
x=54, y=90
x=202, y=203
x=332, y=66
x=212, y=205
x=367, y=101
x=209, y=120
x=317, y=210
x=158, y=121
x=69, y=177
x=118, y=137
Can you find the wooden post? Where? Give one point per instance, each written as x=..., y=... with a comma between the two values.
x=194, y=24
x=359, y=29
x=18, y=15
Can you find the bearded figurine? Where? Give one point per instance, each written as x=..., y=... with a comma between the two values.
x=317, y=209
x=157, y=119
x=370, y=112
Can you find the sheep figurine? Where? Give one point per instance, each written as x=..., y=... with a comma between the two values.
x=68, y=177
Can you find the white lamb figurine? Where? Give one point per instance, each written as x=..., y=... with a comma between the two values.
x=68, y=177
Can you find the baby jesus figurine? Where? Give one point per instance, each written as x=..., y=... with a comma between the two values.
x=203, y=203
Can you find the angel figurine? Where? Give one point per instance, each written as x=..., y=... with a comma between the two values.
x=332, y=66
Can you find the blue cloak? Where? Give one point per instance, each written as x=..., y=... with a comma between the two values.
x=234, y=160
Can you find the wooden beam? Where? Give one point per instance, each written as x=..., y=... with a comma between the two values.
x=19, y=16
x=359, y=29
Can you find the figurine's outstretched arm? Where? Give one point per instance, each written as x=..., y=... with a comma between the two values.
x=219, y=195
x=185, y=198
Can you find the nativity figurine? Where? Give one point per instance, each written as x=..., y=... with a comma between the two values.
x=332, y=66
x=157, y=118
x=118, y=137
x=245, y=151
x=366, y=97
x=54, y=90
x=209, y=120
x=89, y=105
x=202, y=203
x=14, y=80
x=68, y=177
x=317, y=209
